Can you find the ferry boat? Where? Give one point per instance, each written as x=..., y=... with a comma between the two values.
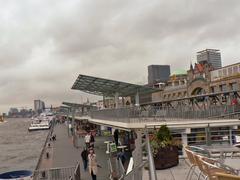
x=39, y=125
x=42, y=122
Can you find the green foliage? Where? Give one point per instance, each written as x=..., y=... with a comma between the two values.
x=161, y=139
x=164, y=134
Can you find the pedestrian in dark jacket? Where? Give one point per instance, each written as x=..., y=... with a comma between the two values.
x=116, y=136
x=84, y=155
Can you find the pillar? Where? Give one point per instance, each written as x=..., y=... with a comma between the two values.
x=137, y=99
x=116, y=100
x=104, y=104
x=208, y=135
x=68, y=112
x=185, y=140
x=123, y=103
x=230, y=136
x=74, y=127
x=137, y=154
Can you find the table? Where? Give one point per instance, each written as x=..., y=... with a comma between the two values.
x=233, y=162
x=121, y=147
x=221, y=149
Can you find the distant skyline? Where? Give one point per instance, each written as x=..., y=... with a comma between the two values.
x=46, y=44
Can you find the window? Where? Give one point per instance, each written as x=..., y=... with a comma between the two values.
x=220, y=87
x=224, y=72
x=220, y=73
x=230, y=71
x=185, y=93
x=235, y=86
x=235, y=69
x=224, y=87
x=212, y=89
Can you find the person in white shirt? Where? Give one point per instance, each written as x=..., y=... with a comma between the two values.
x=87, y=140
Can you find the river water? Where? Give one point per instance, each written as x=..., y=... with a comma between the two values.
x=19, y=149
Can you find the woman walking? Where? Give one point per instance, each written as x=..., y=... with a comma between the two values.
x=92, y=160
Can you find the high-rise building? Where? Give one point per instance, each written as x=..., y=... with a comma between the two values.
x=39, y=106
x=158, y=73
x=211, y=56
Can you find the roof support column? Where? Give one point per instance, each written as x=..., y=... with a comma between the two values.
x=104, y=103
x=68, y=113
x=137, y=154
x=123, y=102
x=137, y=99
x=116, y=100
x=74, y=127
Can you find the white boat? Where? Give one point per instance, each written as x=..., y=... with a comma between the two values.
x=40, y=125
x=42, y=122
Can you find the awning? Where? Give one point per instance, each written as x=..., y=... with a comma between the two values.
x=76, y=105
x=107, y=87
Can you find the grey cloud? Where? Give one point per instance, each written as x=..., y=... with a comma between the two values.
x=46, y=44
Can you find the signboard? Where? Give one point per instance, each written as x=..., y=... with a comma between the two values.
x=113, y=147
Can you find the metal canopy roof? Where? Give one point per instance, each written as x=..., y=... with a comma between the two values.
x=64, y=107
x=77, y=105
x=107, y=87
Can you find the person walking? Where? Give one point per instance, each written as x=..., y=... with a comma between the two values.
x=92, y=140
x=84, y=155
x=116, y=136
x=87, y=140
x=92, y=167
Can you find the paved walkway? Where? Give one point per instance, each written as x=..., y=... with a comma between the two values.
x=178, y=172
x=65, y=155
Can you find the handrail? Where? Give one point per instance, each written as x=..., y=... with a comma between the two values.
x=127, y=113
x=44, y=146
x=152, y=171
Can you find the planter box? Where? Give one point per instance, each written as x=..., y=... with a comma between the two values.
x=166, y=158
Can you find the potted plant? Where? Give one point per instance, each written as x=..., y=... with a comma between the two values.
x=164, y=148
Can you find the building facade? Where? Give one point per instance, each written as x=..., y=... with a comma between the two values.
x=158, y=74
x=200, y=79
x=39, y=106
x=210, y=56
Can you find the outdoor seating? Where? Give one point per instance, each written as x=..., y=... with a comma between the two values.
x=236, y=154
x=210, y=170
x=224, y=176
x=192, y=162
x=206, y=165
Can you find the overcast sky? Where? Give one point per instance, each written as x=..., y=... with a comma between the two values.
x=44, y=45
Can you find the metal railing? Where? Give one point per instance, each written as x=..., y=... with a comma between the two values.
x=118, y=171
x=44, y=147
x=208, y=137
x=64, y=173
x=156, y=113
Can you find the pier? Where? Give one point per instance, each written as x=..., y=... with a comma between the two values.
x=199, y=123
x=64, y=156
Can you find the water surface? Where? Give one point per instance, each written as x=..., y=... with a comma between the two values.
x=19, y=149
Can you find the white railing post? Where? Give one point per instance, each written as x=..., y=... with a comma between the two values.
x=152, y=170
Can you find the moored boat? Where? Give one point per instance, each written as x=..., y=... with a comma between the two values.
x=17, y=175
x=40, y=125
